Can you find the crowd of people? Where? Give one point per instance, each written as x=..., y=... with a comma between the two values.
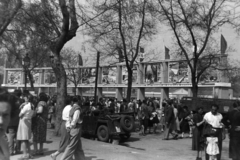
x=30, y=116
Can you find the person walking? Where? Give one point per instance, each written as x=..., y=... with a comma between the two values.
x=39, y=126
x=65, y=136
x=24, y=133
x=169, y=120
x=74, y=147
x=213, y=118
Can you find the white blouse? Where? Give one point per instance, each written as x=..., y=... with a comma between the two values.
x=27, y=111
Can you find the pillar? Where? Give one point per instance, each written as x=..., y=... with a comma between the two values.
x=79, y=92
x=164, y=76
x=119, y=93
x=119, y=90
x=141, y=93
x=99, y=90
x=141, y=80
x=22, y=81
x=5, y=76
x=99, y=93
x=164, y=93
x=41, y=81
x=190, y=92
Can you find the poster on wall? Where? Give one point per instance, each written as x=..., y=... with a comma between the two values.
x=125, y=75
x=14, y=77
x=109, y=75
x=88, y=75
x=178, y=72
x=153, y=73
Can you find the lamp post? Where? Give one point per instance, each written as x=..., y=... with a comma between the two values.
x=26, y=64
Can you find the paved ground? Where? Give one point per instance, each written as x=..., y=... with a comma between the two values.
x=150, y=147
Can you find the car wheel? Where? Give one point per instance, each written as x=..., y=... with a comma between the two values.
x=127, y=123
x=102, y=133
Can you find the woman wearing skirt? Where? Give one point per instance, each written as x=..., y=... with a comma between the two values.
x=25, y=123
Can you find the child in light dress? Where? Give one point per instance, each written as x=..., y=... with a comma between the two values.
x=212, y=148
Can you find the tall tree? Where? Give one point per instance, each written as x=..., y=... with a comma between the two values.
x=193, y=24
x=19, y=40
x=72, y=60
x=8, y=10
x=118, y=32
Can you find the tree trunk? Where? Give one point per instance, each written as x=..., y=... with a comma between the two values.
x=129, y=87
x=194, y=92
x=61, y=93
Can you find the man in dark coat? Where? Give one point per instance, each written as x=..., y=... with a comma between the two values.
x=169, y=120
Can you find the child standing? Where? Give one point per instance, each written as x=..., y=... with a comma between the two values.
x=212, y=148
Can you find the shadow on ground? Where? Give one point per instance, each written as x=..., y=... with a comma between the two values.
x=91, y=158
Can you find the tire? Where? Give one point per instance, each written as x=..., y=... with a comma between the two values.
x=125, y=137
x=127, y=123
x=102, y=133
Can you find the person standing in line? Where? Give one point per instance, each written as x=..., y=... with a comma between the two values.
x=235, y=134
x=7, y=107
x=184, y=126
x=230, y=121
x=177, y=124
x=65, y=136
x=124, y=106
x=14, y=144
x=214, y=119
x=74, y=147
x=39, y=127
x=24, y=132
x=197, y=139
x=145, y=117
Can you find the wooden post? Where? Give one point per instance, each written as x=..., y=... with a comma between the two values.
x=96, y=80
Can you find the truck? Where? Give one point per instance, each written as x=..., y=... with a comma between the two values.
x=106, y=127
x=206, y=103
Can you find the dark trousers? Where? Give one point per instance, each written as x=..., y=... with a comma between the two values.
x=14, y=145
x=168, y=130
x=145, y=124
x=219, y=146
x=74, y=147
x=65, y=137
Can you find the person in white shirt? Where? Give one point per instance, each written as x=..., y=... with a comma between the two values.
x=24, y=132
x=214, y=119
x=65, y=136
x=75, y=124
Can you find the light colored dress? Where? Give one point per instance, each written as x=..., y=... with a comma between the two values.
x=25, y=123
x=212, y=147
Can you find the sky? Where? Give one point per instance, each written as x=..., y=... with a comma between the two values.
x=164, y=38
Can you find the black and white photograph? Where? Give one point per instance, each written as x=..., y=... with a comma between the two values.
x=120, y=79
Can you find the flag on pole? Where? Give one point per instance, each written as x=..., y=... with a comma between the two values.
x=223, y=45
x=167, y=56
x=120, y=54
x=80, y=61
x=141, y=49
